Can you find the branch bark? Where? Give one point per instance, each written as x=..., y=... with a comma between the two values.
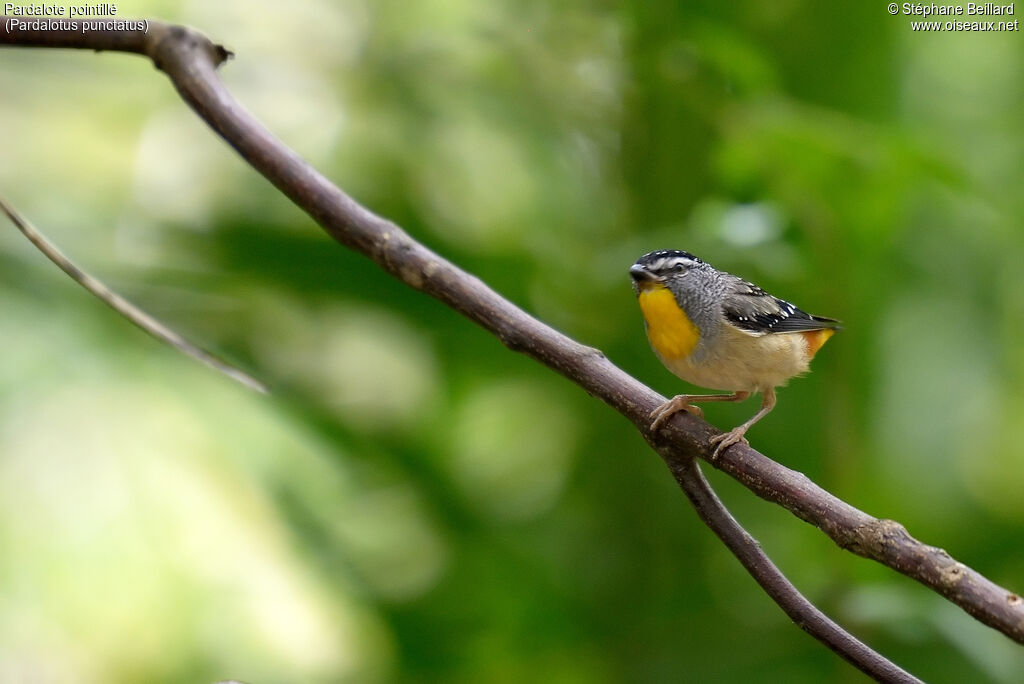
x=191, y=60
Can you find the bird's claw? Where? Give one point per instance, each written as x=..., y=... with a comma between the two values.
x=726, y=440
x=672, y=407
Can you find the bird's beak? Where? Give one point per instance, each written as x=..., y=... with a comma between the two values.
x=640, y=274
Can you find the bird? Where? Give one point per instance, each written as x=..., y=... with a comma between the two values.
x=716, y=330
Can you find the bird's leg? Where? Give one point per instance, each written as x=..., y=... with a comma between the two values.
x=727, y=439
x=684, y=402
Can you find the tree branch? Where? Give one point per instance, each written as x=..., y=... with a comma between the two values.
x=748, y=551
x=190, y=60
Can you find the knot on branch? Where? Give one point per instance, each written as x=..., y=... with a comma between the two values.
x=953, y=574
x=175, y=44
x=871, y=539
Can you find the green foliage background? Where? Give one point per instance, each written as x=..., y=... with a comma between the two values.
x=415, y=503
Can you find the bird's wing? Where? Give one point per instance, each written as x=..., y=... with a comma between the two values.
x=756, y=312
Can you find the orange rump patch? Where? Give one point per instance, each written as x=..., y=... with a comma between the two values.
x=815, y=339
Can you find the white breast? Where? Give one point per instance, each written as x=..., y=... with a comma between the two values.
x=738, y=361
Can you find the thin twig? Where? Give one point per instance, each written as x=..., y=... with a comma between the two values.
x=805, y=614
x=123, y=306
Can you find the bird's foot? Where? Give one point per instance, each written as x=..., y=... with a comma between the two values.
x=727, y=439
x=672, y=407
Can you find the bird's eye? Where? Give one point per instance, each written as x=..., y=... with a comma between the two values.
x=678, y=268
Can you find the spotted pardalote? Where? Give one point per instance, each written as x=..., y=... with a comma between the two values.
x=716, y=330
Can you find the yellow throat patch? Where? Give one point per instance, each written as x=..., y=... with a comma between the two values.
x=672, y=334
